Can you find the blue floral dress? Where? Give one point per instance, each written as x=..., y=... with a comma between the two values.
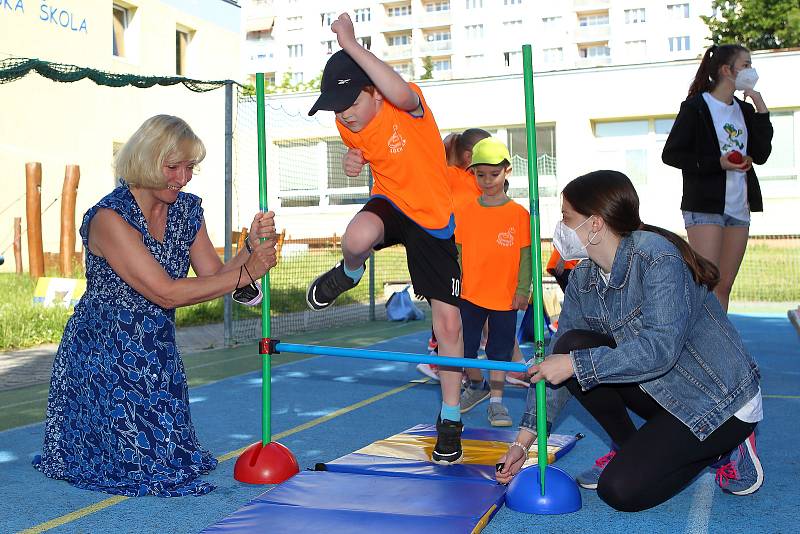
x=118, y=411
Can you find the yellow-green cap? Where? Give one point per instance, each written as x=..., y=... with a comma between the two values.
x=489, y=151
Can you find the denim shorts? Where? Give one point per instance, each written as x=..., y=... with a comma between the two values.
x=693, y=218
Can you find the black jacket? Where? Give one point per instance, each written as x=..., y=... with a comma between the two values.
x=693, y=147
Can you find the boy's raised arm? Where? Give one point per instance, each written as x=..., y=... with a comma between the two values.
x=391, y=85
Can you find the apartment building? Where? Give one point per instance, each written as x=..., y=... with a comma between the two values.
x=454, y=39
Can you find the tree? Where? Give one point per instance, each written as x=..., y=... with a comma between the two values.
x=427, y=64
x=286, y=86
x=756, y=24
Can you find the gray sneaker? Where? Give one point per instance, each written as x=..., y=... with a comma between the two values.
x=471, y=397
x=498, y=414
x=589, y=478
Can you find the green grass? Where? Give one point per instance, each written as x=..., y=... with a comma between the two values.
x=770, y=275
x=26, y=405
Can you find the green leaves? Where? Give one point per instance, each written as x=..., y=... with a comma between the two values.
x=756, y=24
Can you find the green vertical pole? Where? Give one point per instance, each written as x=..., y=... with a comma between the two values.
x=536, y=253
x=266, y=362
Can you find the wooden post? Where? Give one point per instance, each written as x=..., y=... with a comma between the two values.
x=18, y=244
x=33, y=205
x=69, y=192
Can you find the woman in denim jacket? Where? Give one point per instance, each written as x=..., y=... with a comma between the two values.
x=640, y=329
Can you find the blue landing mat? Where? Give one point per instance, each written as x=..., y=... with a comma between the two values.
x=343, y=503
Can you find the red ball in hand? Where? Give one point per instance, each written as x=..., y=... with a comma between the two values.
x=735, y=157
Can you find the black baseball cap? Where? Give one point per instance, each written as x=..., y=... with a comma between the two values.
x=342, y=81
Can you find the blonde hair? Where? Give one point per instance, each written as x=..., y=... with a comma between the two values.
x=159, y=141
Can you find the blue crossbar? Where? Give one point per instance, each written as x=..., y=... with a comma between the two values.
x=443, y=361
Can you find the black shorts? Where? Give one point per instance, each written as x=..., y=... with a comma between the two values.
x=432, y=262
x=502, y=331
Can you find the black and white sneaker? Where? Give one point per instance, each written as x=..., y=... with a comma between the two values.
x=328, y=286
x=448, y=442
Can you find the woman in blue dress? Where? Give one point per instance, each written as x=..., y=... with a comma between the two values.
x=118, y=417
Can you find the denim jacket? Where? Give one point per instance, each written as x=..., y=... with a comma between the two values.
x=673, y=338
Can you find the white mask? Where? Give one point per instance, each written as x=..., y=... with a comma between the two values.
x=567, y=242
x=746, y=79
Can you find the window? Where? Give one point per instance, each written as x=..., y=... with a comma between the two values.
x=474, y=61
x=664, y=126
x=474, y=4
x=545, y=160
x=399, y=11
x=678, y=44
x=438, y=36
x=551, y=22
x=512, y=59
x=181, y=44
x=399, y=40
x=297, y=77
x=594, y=51
x=363, y=15
x=403, y=69
x=782, y=164
x=269, y=78
x=296, y=22
x=119, y=25
x=474, y=31
x=337, y=179
x=636, y=49
x=553, y=55
x=597, y=19
x=440, y=65
x=328, y=46
x=443, y=5
x=678, y=11
x=260, y=35
x=621, y=128
x=634, y=16
x=295, y=50
x=512, y=2
x=366, y=42
x=327, y=18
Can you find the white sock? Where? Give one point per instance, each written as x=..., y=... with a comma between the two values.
x=498, y=400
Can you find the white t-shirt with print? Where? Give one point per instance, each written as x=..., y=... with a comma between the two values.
x=732, y=135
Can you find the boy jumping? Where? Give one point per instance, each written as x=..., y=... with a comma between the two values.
x=389, y=122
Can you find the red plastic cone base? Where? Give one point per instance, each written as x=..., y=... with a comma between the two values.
x=265, y=464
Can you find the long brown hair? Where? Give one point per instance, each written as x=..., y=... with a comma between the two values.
x=611, y=196
x=707, y=76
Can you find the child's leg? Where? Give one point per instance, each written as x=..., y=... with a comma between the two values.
x=499, y=347
x=447, y=325
x=364, y=232
x=374, y=225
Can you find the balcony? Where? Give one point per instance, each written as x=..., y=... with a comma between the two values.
x=404, y=22
x=430, y=19
x=590, y=5
x=392, y=53
x=436, y=47
x=589, y=34
x=595, y=61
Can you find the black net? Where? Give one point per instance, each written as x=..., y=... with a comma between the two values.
x=14, y=68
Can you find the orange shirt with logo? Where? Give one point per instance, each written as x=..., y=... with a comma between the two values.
x=463, y=186
x=491, y=239
x=408, y=163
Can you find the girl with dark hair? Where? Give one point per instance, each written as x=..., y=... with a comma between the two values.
x=641, y=330
x=715, y=141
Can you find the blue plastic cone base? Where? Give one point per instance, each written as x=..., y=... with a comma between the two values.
x=562, y=495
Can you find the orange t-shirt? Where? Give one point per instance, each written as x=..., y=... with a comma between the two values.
x=408, y=164
x=463, y=186
x=491, y=239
